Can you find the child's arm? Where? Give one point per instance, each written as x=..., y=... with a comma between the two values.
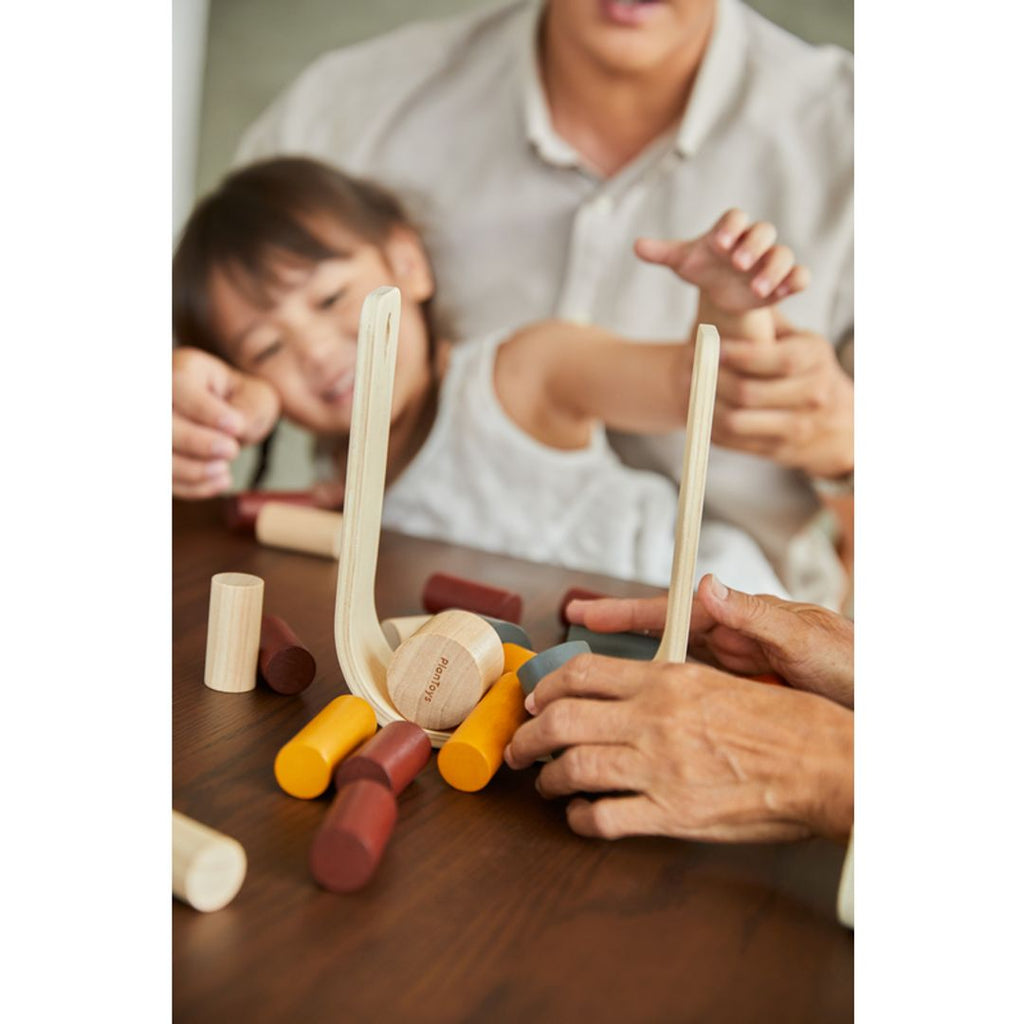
x=556, y=380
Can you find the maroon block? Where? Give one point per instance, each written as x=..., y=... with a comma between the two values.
x=285, y=664
x=576, y=594
x=442, y=591
x=350, y=842
x=394, y=756
x=240, y=510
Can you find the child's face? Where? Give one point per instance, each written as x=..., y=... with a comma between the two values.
x=304, y=344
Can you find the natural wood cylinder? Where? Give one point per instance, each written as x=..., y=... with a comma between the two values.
x=207, y=867
x=397, y=630
x=240, y=510
x=313, y=531
x=437, y=676
x=233, y=632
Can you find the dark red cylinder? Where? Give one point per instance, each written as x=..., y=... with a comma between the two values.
x=394, y=756
x=285, y=664
x=351, y=840
x=442, y=591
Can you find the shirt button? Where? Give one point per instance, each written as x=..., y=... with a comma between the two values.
x=602, y=205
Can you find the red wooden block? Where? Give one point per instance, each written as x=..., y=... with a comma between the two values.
x=285, y=664
x=240, y=510
x=576, y=594
x=393, y=757
x=350, y=842
x=442, y=591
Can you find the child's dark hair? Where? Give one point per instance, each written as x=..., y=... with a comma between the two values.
x=261, y=215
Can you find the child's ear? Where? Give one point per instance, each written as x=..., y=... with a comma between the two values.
x=408, y=259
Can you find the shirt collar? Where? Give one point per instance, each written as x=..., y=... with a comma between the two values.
x=715, y=88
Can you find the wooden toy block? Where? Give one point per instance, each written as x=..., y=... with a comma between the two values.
x=575, y=594
x=676, y=636
x=304, y=765
x=207, y=867
x=233, y=632
x=393, y=757
x=442, y=591
x=285, y=664
x=531, y=672
x=311, y=531
x=473, y=753
x=509, y=632
x=437, y=676
x=633, y=646
x=397, y=630
x=240, y=510
x=351, y=840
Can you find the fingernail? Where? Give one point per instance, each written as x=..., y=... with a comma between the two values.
x=215, y=469
x=718, y=589
x=232, y=422
x=530, y=704
x=725, y=240
x=761, y=285
x=744, y=260
x=223, y=447
x=507, y=755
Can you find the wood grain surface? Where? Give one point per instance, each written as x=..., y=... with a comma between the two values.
x=485, y=906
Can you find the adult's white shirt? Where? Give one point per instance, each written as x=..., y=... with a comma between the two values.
x=452, y=115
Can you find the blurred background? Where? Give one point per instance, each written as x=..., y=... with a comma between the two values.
x=232, y=57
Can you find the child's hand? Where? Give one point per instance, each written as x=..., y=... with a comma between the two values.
x=215, y=410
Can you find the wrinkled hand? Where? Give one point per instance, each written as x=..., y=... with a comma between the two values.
x=698, y=754
x=808, y=646
x=790, y=402
x=215, y=410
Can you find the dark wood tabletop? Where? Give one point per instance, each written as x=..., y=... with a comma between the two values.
x=485, y=907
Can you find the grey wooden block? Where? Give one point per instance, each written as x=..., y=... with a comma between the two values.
x=533, y=671
x=616, y=645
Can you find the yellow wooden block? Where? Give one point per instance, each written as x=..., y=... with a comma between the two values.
x=304, y=765
x=472, y=755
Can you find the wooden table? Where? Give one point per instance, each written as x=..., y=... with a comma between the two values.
x=485, y=907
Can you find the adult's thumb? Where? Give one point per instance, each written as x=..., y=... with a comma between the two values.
x=752, y=616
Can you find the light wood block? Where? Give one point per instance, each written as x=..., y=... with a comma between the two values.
x=304, y=765
x=675, y=639
x=311, y=531
x=207, y=867
x=473, y=753
x=401, y=628
x=437, y=676
x=233, y=632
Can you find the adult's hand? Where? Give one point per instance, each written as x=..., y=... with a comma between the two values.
x=699, y=754
x=215, y=410
x=790, y=402
x=808, y=646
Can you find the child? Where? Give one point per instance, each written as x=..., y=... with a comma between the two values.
x=497, y=444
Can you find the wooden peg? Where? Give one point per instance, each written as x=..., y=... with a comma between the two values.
x=312, y=531
x=473, y=754
x=285, y=664
x=442, y=592
x=240, y=510
x=531, y=672
x=704, y=379
x=439, y=674
x=397, y=630
x=393, y=757
x=632, y=646
x=207, y=867
x=351, y=839
x=233, y=632
x=304, y=765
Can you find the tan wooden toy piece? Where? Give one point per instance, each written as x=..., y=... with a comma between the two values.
x=313, y=531
x=397, y=630
x=207, y=867
x=676, y=637
x=439, y=674
x=233, y=632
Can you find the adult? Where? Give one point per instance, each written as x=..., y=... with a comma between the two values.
x=543, y=138
x=699, y=752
